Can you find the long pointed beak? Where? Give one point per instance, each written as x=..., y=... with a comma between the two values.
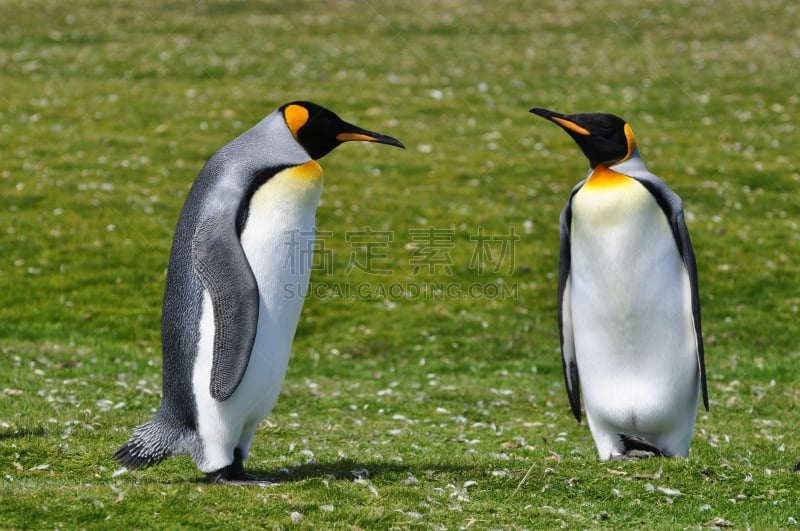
x=561, y=120
x=355, y=133
x=546, y=113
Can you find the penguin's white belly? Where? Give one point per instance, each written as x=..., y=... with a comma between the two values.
x=278, y=240
x=631, y=314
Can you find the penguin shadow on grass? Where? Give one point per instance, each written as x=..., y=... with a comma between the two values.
x=350, y=470
x=23, y=433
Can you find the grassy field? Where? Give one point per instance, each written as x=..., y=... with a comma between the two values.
x=444, y=409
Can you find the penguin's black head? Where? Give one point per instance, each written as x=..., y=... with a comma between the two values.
x=319, y=130
x=604, y=138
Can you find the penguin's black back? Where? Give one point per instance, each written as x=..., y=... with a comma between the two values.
x=182, y=309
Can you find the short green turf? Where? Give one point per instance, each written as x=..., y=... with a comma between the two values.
x=424, y=391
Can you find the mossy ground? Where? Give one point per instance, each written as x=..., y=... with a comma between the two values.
x=452, y=400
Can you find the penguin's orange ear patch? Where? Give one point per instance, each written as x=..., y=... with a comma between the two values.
x=631, y=142
x=296, y=117
x=572, y=126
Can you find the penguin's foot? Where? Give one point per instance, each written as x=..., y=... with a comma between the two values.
x=234, y=474
x=633, y=455
x=639, y=447
x=221, y=477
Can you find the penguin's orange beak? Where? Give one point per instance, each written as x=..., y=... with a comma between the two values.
x=562, y=120
x=358, y=134
x=572, y=126
x=349, y=137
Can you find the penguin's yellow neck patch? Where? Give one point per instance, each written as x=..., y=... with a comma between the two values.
x=310, y=172
x=298, y=185
x=296, y=117
x=604, y=177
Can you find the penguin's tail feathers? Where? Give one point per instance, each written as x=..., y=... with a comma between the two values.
x=152, y=442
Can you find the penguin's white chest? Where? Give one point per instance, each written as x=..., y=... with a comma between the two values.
x=278, y=241
x=621, y=241
x=630, y=301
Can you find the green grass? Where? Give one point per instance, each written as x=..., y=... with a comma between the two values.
x=454, y=404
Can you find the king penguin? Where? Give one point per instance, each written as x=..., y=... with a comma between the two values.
x=239, y=263
x=628, y=306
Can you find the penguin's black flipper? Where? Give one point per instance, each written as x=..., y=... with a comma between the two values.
x=220, y=262
x=796, y=468
x=678, y=225
x=636, y=446
x=672, y=206
x=568, y=362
